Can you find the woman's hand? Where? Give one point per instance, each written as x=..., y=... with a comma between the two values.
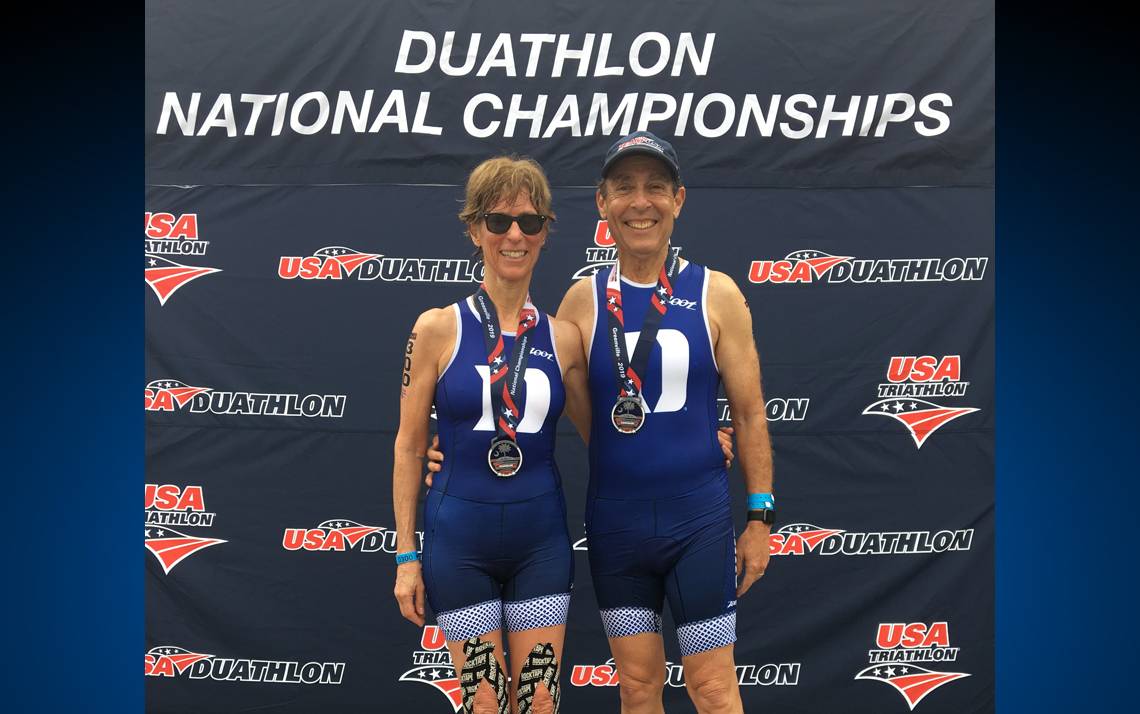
x=723, y=435
x=409, y=591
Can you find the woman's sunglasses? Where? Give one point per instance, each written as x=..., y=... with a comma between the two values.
x=529, y=223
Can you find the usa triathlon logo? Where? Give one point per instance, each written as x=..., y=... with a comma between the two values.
x=341, y=534
x=815, y=266
x=170, y=395
x=172, y=661
x=903, y=656
x=602, y=254
x=909, y=379
x=165, y=276
x=776, y=409
x=171, y=547
x=341, y=263
x=747, y=675
x=167, y=234
x=432, y=666
x=806, y=538
x=170, y=505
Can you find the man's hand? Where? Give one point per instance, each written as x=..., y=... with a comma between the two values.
x=724, y=436
x=435, y=459
x=409, y=591
x=753, y=549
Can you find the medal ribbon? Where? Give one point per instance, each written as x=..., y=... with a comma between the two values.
x=506, y=374
x=629, y=373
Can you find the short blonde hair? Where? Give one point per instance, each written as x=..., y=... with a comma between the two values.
x=504, y=177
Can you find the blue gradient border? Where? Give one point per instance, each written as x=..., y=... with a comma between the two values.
x=1065, y=490
x=1066, y=494
x=74, y=356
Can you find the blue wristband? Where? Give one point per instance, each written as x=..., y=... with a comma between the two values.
x=407, y=557
x=761, y=501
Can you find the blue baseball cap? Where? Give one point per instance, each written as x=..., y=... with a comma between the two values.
x=643, y=142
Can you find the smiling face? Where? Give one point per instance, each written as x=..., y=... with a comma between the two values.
x=638, y=202
x=510, y=256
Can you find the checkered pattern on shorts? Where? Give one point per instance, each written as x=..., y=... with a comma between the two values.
x=467, y=622
x=625, y=621
x=545, y=611
x=707, y=634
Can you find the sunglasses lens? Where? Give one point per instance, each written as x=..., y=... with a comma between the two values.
x=530, y=223
x=498, y=222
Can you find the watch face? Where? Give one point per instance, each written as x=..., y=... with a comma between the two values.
x=766, y=515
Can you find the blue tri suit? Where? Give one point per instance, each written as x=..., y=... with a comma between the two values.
x=657, y=513
x=496, y=548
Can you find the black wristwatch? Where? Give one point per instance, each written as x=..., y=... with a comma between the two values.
x=766, y=515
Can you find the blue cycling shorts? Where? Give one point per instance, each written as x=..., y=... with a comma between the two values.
x=681, y=548
x=490, y=564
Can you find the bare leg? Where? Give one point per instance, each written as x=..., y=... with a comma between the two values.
x=710, y=678
x=640, y=661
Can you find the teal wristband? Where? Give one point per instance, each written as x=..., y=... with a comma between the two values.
x=761, y=501
x=407, y=557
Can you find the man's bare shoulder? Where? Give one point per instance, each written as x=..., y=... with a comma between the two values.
x=577, y=305
x=564, y=329
x=723, y=289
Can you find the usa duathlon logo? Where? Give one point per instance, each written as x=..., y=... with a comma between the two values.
x=171, y=505
x=641, y=141
x=171, y=395
x=341, y=534
x=785, y=674
x=167, y=395
x=602, y=254
x=815, y=266
x=776, y=409
x=807, y=539
x=432, y=666
x=167, y=234
x=909, y=378
x=173, y=661
x=904, y=655
x=341, y=263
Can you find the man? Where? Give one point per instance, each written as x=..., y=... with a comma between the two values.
x=661, y=334
x=657, y=511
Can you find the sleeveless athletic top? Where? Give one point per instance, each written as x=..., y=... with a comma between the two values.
x=676, y=450
x=464, y=415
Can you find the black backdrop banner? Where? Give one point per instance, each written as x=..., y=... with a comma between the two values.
x=305, y=165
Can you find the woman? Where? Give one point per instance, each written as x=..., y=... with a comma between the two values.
x=497, y=552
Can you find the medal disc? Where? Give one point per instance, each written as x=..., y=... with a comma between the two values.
x=628, y=414
x=504, y=457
